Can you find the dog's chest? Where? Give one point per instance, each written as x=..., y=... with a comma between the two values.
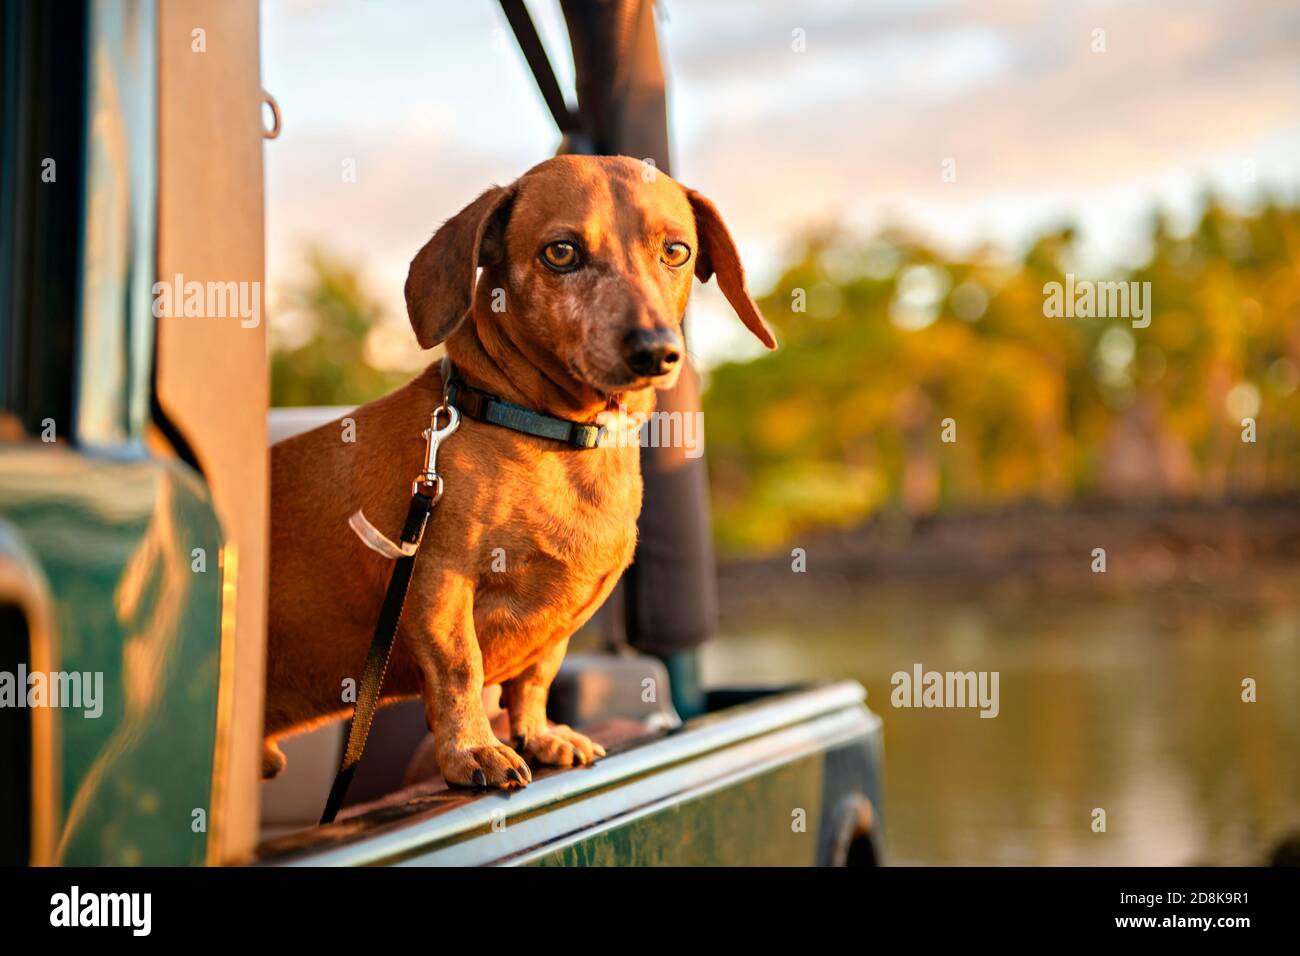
x=568, y=539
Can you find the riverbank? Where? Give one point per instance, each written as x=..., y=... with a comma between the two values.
x=1246, y=550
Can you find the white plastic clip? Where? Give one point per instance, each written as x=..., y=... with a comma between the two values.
x=376, y=540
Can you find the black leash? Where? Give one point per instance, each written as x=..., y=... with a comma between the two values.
x=540, y=64
x=426, y=492
x=381, y=649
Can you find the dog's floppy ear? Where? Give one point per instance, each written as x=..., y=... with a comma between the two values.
x=440, y=283
x=717, y=255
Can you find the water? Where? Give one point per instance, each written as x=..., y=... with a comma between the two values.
x=1128, y=705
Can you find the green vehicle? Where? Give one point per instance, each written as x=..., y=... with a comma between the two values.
x=133, y=526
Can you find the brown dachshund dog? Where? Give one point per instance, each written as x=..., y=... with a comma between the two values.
x=586, y=268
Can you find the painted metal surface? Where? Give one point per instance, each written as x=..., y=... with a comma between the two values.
x=210, y=376
x=723, y=789
x=769, y=818
x=133, y=602
x=115, y=333
x=128, y=544
x=24, y=591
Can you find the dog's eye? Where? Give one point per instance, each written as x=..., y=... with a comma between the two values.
x=561, y=256
x=676, y=254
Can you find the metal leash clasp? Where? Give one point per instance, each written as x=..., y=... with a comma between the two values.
x=429, y=483
x=434, y=437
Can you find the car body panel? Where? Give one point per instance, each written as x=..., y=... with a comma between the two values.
x=131, y=551
x=748, y=785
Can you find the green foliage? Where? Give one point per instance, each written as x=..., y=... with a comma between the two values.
x=328, y=366
x=848, y=417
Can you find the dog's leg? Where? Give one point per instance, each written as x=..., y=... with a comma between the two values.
x=446, y=651
x=525, y=697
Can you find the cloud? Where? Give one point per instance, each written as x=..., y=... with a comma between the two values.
x=1040, y=126
x=436, y=108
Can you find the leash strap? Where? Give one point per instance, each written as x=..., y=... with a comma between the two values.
x=485, y=407
x=381, y=649
x=540, y=64
x=426, y=491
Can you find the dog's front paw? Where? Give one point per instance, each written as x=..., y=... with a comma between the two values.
x=561, y=746
x=495, y=765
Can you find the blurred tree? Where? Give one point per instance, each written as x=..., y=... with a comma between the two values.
x=848, y=418
x=326, y=361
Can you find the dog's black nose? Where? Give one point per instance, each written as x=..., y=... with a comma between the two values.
x=650, y=353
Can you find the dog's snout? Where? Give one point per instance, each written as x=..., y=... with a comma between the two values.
x=651, y=352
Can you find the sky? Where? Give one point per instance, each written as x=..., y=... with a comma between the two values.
x=431, y=102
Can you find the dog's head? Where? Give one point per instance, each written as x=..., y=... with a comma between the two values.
x=587, y=264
